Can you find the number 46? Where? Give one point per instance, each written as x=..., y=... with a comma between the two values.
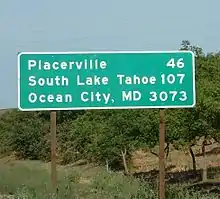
x=179, y=63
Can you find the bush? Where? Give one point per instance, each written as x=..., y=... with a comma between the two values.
x=25, y=134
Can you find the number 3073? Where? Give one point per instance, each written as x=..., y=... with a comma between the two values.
x=167, y=96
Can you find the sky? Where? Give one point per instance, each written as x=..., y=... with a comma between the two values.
x=82, y=25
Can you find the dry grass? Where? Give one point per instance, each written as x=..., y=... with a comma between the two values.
x=177, y=160
x=31, y=179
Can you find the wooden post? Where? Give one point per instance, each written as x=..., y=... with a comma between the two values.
x=162, y=155
x=204, y=170
x=53, y=150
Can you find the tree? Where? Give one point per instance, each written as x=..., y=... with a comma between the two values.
x=131, y=130
x=186, y=126
x=186, y=45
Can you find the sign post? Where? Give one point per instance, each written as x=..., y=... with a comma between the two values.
x=53, y=150
x=162, y=155
x=107, y=80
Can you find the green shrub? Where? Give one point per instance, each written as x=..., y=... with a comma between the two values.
x=25, y=134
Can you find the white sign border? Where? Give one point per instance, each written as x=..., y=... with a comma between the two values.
x=107, y=107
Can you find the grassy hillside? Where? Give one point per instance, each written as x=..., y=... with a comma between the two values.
x=31, y=179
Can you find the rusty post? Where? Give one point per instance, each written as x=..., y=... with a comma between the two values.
x=162, y=155
x=53, y=150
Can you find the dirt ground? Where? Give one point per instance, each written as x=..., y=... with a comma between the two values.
x=177, y=160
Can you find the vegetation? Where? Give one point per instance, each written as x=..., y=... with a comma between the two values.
x=110, y=137
x=31, y=180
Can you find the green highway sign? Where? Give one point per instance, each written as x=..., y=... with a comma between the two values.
x=106, y=80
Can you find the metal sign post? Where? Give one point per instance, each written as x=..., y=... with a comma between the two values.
x=162, y=155
x=53, y=150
